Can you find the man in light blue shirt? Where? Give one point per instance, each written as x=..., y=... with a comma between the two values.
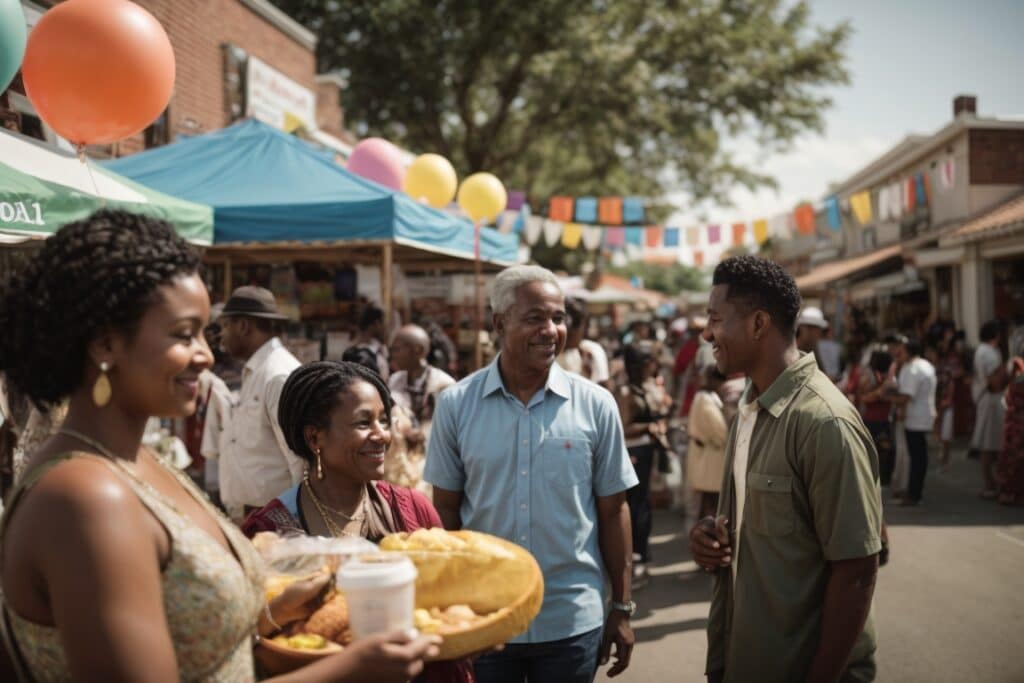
x=525, y=451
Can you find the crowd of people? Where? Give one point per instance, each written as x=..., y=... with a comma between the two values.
x=115, y=564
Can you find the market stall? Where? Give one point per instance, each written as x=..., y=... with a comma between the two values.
x=42, y=188
x=276, y=200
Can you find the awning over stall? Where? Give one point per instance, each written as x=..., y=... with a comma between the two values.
x=42, y=188
x=269, y=187
x=826, y=273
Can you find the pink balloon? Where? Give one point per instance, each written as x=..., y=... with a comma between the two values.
x=378, y=160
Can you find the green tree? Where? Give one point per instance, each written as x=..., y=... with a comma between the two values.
x=582, y=96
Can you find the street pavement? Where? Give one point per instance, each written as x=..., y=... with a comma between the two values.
x=949, y=606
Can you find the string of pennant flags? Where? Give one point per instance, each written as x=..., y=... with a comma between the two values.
x=617, y=223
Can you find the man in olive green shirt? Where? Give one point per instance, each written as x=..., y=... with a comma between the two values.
x=795, y=546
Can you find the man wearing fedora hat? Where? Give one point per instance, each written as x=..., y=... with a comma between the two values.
x=255, y=461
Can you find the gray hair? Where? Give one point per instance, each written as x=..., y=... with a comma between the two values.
x=503, y=290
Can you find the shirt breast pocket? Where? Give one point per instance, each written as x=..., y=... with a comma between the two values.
x=250, y=422
x=769, y=506
x=566, y=460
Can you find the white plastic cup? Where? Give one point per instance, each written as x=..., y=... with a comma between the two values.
x=380, y=591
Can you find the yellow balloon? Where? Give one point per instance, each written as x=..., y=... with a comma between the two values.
x=432, y=179
x=482, y=197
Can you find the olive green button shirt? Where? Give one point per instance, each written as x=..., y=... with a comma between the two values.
x=812, y=498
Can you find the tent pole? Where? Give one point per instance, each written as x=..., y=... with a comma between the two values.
x=227, y=278
x=478, y=312
x=386, y=283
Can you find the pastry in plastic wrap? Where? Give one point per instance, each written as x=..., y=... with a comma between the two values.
x=330, y=620
x=475, y=590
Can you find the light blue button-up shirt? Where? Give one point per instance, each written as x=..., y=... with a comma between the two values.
x=530, y=474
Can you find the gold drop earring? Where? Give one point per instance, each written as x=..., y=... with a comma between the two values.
x=101, y=390
x=319, y=466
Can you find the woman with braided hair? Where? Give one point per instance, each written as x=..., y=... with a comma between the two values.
x=336, y=417
x=114, y=566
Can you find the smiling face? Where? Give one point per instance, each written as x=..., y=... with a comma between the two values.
x=533, y=330
x=155, y=370
x=731, y=331
x=354, y=443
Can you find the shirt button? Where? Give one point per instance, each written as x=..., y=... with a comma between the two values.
x=522, y=538
x=525, y=441
x=523, y=472
x=522, y=506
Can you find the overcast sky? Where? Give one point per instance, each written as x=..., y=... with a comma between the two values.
x=907, y=60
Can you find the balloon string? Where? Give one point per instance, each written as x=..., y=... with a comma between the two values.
x=80, y=151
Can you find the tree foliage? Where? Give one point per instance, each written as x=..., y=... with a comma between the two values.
x=582, y=96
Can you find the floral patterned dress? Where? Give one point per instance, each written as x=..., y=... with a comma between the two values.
x=1010, y=467
x=212, y=597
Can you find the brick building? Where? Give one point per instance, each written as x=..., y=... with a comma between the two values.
x=224, y=51
x=957, y=255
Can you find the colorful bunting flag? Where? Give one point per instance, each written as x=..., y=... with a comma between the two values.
x=552, y=232
x=894, y=200
x=761, y=231
x=692, y=236
x=909, y=195
x=614, y=237
x=561, y=209
x=635, y=236
x=653, y=236
x=592, y=237
x=586, y=210
x=861, y=203
x=835, y=221
x=779, y=226
x=947, y=173
x=804, y=216
x=920, y=191
x=698, y=258
x=609, y=210
x=525, y=213
x=516, y=200
x=506, y=220
x=714, y=234
x=534, y=228
x=671, y=237
x=572, y=233
x=632, y=210
x=739, y=233
x=884, y=205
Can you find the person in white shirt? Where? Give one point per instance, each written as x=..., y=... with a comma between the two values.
x=216, y=409
x=255, y=461
x=415, y=383
x=990, y=379
x=915, y=389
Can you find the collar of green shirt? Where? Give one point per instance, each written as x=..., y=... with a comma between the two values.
x=557, y=381
x=785, y=386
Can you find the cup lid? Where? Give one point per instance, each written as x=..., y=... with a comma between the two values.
x=383, y=570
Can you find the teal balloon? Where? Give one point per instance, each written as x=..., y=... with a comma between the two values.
x=13, y=35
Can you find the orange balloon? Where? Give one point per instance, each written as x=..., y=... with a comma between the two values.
x=98, y=71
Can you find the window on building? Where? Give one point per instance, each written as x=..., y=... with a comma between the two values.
x=235, y=59
x=158, y=133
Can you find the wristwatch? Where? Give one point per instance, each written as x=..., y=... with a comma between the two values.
x=628, y=607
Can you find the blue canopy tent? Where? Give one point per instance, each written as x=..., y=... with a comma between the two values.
x=276, y=198
x=268, y=186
